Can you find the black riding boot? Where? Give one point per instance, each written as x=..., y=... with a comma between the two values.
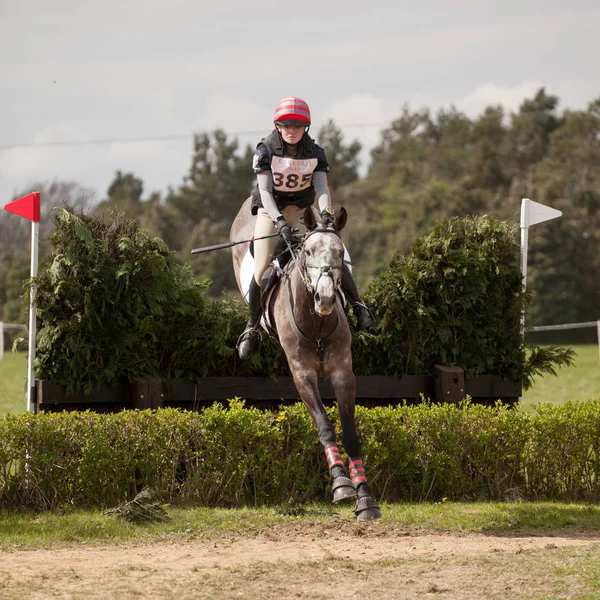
x=363, y=315
x=249, y=341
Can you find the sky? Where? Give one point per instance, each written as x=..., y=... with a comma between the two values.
x=79, y=71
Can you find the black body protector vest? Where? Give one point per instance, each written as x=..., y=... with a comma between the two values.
x=292, y=175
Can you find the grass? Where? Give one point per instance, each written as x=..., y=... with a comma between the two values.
x=13, y=374
x=580, y=382
x=44, y=530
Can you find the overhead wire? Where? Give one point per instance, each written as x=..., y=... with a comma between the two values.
x=156, y=138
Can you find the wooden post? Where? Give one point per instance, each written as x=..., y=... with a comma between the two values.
x=2, y=339
x=146, y=393
x=449, y=384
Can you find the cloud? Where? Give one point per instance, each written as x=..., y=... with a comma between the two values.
x=87, y=73
x=233, y=113
x=486, y=94
x=92, y=165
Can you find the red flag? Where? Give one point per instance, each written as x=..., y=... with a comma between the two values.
x=27, y=206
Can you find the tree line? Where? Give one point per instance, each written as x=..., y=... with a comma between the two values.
x=425, y=167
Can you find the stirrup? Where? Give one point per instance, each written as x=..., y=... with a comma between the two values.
x=248, y=343
x=364, y=317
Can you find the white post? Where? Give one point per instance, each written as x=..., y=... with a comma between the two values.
x=524, y=243
x=531, y=214
x=31, y=400
x=1, y=340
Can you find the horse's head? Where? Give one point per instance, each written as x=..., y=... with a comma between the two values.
x=322, y=258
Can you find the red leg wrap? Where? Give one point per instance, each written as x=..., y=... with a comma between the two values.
x=333, y=457
x=357, y=473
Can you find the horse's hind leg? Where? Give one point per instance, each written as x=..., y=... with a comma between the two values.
x=344, y=384
x=342, y=487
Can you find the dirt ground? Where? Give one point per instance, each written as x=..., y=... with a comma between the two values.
x=293, y=561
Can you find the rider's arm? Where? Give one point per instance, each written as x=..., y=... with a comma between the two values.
x=321, y=189
x=265, y=187
x=320, y=179
x=261, y=164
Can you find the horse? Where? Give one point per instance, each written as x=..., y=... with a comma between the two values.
x=307, y=315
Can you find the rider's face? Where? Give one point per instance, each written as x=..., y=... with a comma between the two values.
x=291, y=134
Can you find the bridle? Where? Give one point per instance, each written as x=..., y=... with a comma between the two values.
x=324, y=270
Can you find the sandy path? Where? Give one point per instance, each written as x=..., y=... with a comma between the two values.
x=288, y=563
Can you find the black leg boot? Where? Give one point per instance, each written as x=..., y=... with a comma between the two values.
x=249, y=341
x=363, y=315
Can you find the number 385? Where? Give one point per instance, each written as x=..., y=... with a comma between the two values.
x=291, y=181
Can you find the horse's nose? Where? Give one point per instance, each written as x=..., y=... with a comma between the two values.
x=327, y=299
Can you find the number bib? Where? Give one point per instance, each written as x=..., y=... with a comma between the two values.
x=292, y=174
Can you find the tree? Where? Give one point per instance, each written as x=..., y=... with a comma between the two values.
x=529, y=135
x=343, y=159
x=218, y=181
x=488, y=163
x=565, y=254
x=15, y=241
x=202, y=210
x=125, y=194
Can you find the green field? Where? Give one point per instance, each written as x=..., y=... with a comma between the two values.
x=48, y=529
x=579, y=382
x=13, y=374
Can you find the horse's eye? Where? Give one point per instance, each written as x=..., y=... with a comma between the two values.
x=307, y=252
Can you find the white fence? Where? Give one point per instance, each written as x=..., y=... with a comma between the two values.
x=4, y=326
x=569, y=326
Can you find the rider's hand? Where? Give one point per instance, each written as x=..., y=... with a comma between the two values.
x=327, y=216
x=283, y=229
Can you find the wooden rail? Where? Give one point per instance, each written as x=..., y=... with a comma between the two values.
x=447, y=385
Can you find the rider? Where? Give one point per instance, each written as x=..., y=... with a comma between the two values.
x=291, y=171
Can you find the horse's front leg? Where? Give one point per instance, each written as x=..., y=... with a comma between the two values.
x=307, y=384
x=344, y=385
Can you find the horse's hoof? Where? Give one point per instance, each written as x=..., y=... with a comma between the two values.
x=369, y=514
x=344, y=493
x=342, y=489
x=367, y=509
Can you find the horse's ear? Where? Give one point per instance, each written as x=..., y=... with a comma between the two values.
x=341, y=219
x=309, y=218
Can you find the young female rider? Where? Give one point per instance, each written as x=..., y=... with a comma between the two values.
x=291, y=171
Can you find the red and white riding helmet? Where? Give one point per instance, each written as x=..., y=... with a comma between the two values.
x=292, y=111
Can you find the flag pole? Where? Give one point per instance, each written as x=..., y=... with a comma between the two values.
x=31, y=399
x=28, y=207
x=532, y=213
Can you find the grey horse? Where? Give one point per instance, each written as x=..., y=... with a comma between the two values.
x=311, y=325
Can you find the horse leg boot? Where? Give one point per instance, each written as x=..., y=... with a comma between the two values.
x=363, y=315
x=249, y=341
x=366, y=508
x=341, y=487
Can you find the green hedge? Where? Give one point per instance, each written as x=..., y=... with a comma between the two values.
x=456, y=300
x=233, y=456
x=113, y=304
